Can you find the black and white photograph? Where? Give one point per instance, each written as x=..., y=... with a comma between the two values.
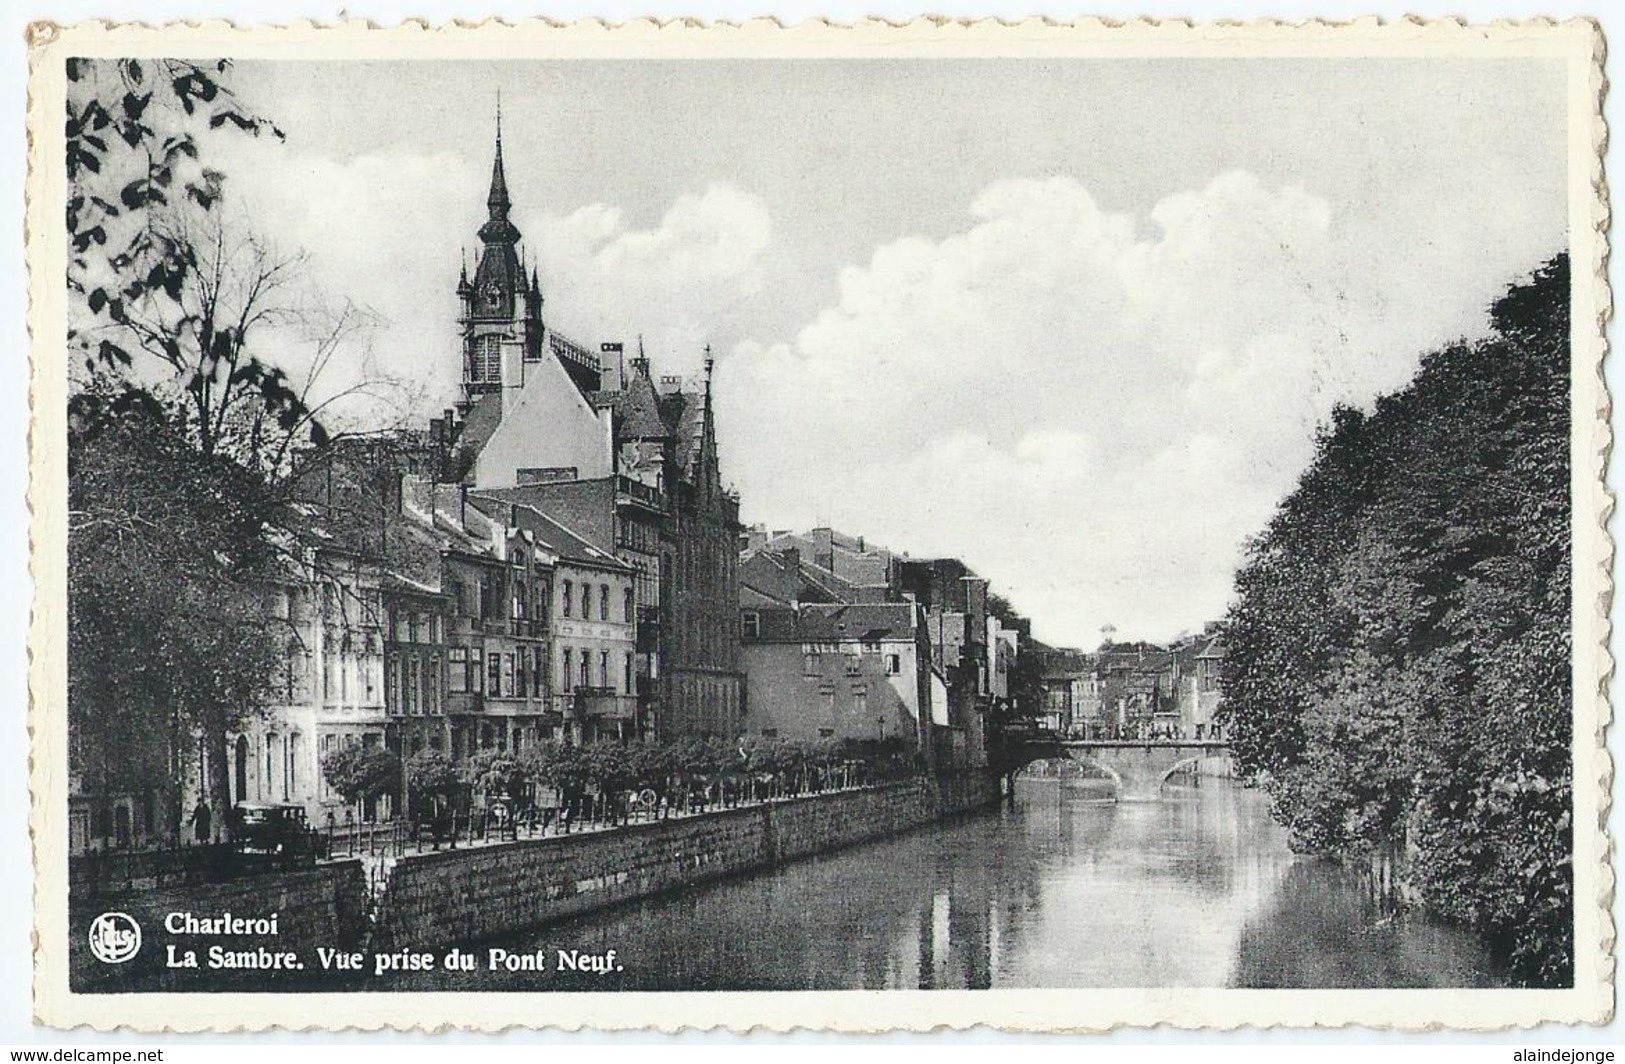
x=946, y=513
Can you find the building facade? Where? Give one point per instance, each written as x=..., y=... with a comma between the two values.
x=818, y=671
x=627, y=463
x=593, y=627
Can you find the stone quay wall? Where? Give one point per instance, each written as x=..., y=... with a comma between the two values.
x=457, y=896
x=322, y=906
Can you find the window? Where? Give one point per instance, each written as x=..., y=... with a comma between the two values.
x=826, y=733
x=564, y=601
x=493, y=674
x=392, y=683
x=630, y=682
x=626, y=598
x=431, y=690
x=567, y=673
x=508, y=675
x=414, y=685
x=770, y=733
x=537, y=657
x=812, y=662
x=476, y=668
x=603, y=669
x=485, y=360
x=750, y=623
x=518, y=600
x=542, y=591
x=854, y=664
x=894, y=664
x=603, y=602
x=586, y=664
x=522, y=673
x=586, y=602
x=329, y=744
x=459, y=670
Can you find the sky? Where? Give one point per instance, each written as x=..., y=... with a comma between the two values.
x=1074, y=321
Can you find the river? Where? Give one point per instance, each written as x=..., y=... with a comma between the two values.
x=1062, y=890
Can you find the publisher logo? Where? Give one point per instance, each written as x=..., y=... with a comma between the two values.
x=114, y=938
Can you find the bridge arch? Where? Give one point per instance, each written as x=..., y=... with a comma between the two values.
x=1138, y=768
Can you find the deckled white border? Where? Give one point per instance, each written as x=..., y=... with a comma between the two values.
x=1578, y=42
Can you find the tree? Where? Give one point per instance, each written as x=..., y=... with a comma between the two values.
x=432, y=776
x=1397, y=655
x=135, y=130
x=494, y=772
x=169, y=645
x=361, y=773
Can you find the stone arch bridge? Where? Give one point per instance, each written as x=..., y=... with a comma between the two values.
x=1138, y=767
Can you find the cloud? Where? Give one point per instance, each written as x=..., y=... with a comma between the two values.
x=1093, y=409
x=383, y=230
x=672, y=282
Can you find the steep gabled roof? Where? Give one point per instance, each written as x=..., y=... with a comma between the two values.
x=566, y=543
x=639, y=408
x=479, y=423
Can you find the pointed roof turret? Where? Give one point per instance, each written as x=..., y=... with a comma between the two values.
x=498, y=230
x=640, y=406
x=497, y=201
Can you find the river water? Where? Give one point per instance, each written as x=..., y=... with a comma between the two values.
x=1062, y=890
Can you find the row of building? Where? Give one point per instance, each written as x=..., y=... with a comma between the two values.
x=556, y=557
x=842, y=639
x=1135, y=690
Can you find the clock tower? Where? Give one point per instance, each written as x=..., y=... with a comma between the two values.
x=501, y=319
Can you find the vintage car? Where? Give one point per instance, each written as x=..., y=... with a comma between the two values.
x=276, y=828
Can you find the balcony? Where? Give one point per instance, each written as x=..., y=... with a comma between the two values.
x=629, y=490
x=603, y=702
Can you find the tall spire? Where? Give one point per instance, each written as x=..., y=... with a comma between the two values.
x=499, y=230
x=497, y=202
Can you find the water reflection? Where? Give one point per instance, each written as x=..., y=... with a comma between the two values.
x=1062, y=891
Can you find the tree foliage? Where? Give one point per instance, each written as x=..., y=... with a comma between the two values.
x=1397, y=656
x=432, y=774
x=140, y=277
x=358, y=773
x=167, y=638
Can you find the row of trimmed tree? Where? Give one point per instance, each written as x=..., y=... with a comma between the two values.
x=689, y=775
x=1397, y=669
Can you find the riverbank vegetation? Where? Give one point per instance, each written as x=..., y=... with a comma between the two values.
x=1398, y=652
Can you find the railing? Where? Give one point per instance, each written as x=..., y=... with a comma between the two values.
x=640, y=492
x=378, y=844
x=603, y=702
